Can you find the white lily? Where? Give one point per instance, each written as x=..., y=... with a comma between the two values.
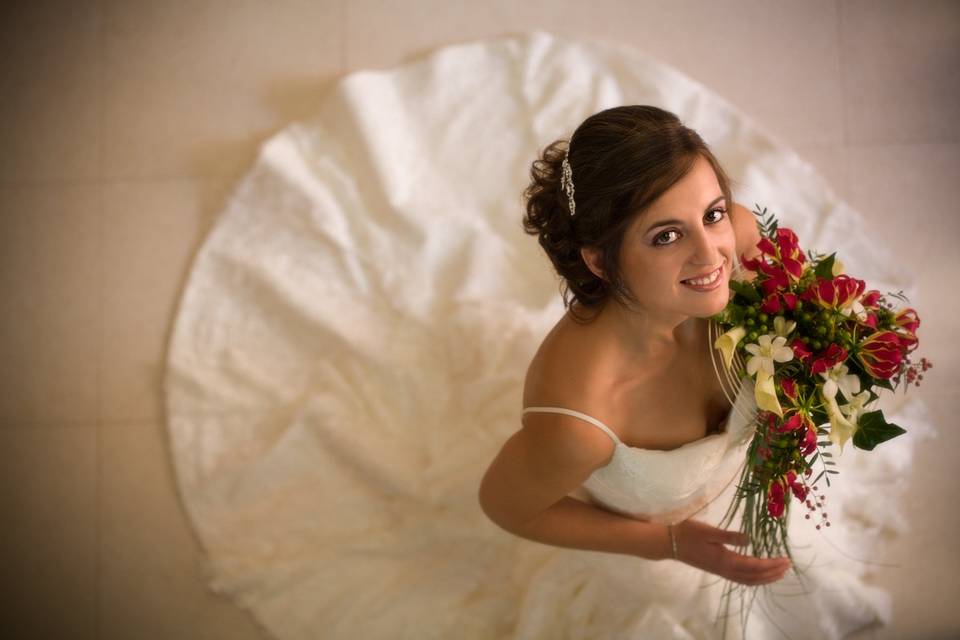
x=767, y=349
x=727, y=343
x=841, y=428
x=857, y=405
x=765, y=393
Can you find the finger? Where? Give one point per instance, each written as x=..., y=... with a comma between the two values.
x=757, y=578
x=752, y=573
x=746, y=566
x=754, y=581
x=746, y=563
x=734, y=538
x=731, y=537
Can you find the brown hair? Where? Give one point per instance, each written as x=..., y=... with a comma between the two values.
x=622, y=159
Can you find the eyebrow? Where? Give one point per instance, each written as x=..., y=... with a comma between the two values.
x=664, y=223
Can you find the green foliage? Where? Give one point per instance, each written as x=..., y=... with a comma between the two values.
x=872, y=429
x=825, y=268
x=746, y=290
x=767, y=223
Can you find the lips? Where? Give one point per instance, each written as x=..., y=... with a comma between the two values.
x=703, y=275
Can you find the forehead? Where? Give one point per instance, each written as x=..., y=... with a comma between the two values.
x=688, y=196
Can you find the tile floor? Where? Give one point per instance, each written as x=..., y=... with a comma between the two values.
x=125, y=122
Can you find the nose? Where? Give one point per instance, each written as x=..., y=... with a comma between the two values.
x=706, y=248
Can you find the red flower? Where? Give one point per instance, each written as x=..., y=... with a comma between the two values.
x=790, y=254
x=907, y=322
x=834, y=354
x=835, y=292
x=777, y=496
x=792, y=423
x=881, y=354
x=800, y=350
x=775, y=499
x=798, y=488
x=786, y=263
x=870, y=298
x=776, y=280
x=809, y=443
x=767, y=248
x=789, y=389
x=789, y=300
x=770, y=304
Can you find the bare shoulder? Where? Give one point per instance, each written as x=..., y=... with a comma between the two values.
x=564, y=373
x=746, y=230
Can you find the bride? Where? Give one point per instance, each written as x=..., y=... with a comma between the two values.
x=623, y=406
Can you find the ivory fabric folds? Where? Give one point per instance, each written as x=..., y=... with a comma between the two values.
x=349, y=352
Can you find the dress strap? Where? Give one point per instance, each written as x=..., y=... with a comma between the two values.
x=576, y=414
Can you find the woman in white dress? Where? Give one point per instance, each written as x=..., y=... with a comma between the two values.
x=629, y=212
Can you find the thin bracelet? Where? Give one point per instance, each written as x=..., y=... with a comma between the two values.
x=673, y=541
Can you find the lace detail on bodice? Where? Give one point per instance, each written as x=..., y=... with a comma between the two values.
x=670, y=486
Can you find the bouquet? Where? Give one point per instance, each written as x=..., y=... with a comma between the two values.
x=819, y=348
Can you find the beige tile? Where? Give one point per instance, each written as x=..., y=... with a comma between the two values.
x=49, y=304
x=193, y=89
x=901, y=70
x=909, y=194
x=151, y=584
x=151, y=232
x=48, y=541
x=777, y=62
x=925, y=563
x=50, y=76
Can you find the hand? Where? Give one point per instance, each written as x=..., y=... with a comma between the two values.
x=701, y=545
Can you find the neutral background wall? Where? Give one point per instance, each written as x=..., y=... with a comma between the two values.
x=124, y=123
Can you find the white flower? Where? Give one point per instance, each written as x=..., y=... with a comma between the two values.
x=854, y=308
x=837, y=268
x=727, y=343
x=841, y=429
x=765, y=393
x=767, y=349
x=856, y=406
x=836, y=378
x=783, y=328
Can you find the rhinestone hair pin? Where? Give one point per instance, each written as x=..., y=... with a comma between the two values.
x=566, y=182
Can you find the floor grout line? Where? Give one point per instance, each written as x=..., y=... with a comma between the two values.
x=101, y=268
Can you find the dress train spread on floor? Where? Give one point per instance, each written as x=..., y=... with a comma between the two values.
x=349, y=354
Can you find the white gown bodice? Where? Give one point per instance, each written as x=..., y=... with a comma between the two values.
x=670, y=486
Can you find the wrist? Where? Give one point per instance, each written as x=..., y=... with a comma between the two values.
x=672, y=551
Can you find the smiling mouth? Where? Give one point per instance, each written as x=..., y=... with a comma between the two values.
x=705, y=280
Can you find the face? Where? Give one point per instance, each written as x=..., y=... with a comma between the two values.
x=685, y=234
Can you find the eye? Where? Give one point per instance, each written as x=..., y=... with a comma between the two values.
x=656, y=241
x=721, y=211
x=718, y=210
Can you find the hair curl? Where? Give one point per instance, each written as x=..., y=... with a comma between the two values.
x=622, y=159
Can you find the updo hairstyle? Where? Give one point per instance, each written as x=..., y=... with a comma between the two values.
x=621, y=159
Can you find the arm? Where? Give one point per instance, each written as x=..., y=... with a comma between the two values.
x=525, y=492
x=525, y=489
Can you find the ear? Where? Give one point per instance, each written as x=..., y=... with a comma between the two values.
x=591, y=256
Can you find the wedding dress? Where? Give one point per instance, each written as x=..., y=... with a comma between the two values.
x=670, y=486
x=349, y=355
